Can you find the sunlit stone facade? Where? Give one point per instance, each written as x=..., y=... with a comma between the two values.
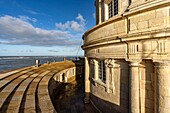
x=127, y=57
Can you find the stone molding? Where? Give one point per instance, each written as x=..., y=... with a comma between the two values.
x=134, y=63
x=107, y=1
x=134, y=8
x=109, y=63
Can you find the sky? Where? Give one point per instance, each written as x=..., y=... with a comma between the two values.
x=44, y=27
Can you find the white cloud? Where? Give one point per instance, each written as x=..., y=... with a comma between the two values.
x=27, y=19
x=55, y=51
x=80, y=17
x=16, y=31
x=63, y=26
x=77, y=25
x=32, y=12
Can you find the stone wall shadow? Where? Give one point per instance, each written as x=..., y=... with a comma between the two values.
x=149, y=87
x=80, y=68
x=117, y=105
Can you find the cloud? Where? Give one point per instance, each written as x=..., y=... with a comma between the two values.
x=94, y=15
x=3, y=49
x=63, y=26
x=27, y=19
x=77, y=25
x=32, y=12
x=55, y=51
x=16, y=31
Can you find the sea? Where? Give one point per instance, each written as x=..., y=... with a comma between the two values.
x=15, y=62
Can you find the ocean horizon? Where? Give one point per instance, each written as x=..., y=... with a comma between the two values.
x=15, y=62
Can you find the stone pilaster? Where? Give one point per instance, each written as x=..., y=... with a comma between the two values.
x=100, y=12
x=134, y=102
x=87, y=81
x=96, y=73
x=106, y=15
x=162, y=87
x=109, y=74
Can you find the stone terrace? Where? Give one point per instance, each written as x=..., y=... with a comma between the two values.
x=28, y=89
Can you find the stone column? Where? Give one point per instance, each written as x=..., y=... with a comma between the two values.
x=87, y=81
x=162, y=87
x=134, y=88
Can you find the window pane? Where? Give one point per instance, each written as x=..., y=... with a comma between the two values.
x=115, y=7
x=102, y=72
x=110, y=6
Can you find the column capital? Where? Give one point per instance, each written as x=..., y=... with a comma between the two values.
x=134, y=63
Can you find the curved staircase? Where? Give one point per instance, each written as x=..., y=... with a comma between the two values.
x=26, y=90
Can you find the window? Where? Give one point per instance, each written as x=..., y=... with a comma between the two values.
x=102, y=72
x=110, y=6
x=92, y=68
x=113, y=8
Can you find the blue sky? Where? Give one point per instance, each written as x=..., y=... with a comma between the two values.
x=44, y=27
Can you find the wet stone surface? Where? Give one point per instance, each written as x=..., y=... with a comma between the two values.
x=70, y=99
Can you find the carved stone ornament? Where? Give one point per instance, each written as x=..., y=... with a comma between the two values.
x=109, y=63
x=91, y=61
x=107, y=1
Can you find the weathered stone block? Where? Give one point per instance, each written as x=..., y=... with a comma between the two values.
x=161, y=12
x=143, y=25
x=156, y=22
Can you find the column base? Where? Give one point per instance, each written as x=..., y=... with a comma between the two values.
x=87, y=98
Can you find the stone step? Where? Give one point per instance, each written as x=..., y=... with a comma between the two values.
x=7, y=92
x=9, y=79
x=27, y=90
x=44, y=99
x=4, y=75
x=30, y=105
x=16, y=100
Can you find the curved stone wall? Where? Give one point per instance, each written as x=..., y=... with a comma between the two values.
x=134, y=46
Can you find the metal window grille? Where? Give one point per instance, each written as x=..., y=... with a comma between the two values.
x=102, y=71
x=115, y=7
x=110, y=6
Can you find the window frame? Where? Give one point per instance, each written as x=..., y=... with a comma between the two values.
x=102, y=71
x=113, y=8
